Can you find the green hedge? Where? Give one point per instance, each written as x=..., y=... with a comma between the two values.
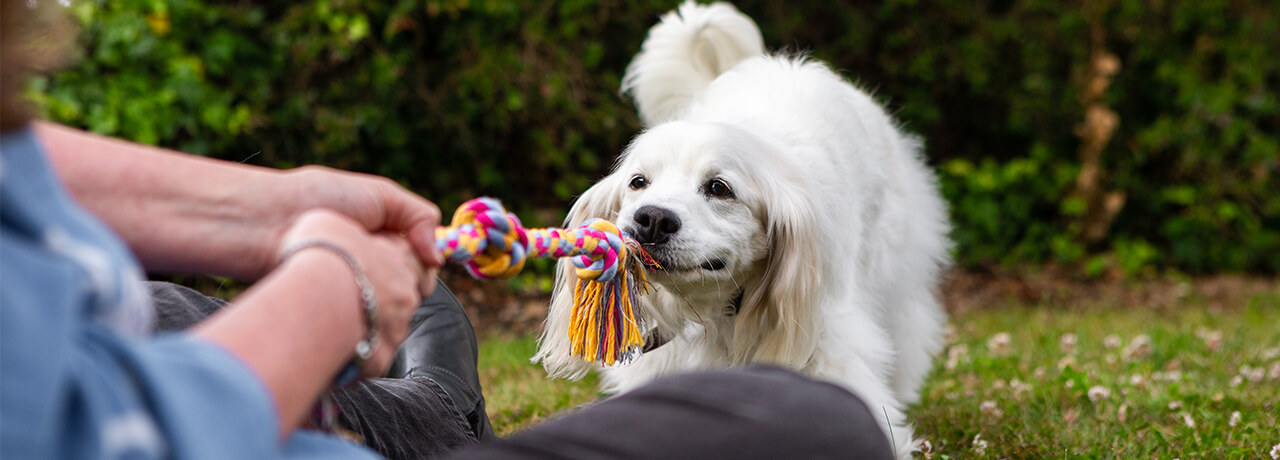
x=519, y=100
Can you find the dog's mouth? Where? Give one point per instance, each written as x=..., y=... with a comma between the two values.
x=710, y=265
x=663, y=262
x=713, y=265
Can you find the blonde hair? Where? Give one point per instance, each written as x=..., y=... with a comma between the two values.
x=34, y=38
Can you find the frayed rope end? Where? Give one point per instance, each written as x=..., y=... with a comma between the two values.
x=604, y=327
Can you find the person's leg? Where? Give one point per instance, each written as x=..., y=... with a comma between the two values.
x=416, y=414
x=431, y=403
x=411, y=418
x=442, y=347
x=755, y=413
x=179, y=307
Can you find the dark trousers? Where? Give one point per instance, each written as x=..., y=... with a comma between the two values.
x=433, y=405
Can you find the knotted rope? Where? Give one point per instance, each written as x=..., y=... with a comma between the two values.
x=491, y=243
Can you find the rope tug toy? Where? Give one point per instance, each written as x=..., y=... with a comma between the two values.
x=610, y=268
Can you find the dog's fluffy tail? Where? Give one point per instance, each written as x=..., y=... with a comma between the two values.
x=684, y=53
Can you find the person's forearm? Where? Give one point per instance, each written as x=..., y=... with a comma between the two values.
x=295, y=329
x=179, y=213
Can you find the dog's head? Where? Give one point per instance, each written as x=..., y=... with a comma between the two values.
x=724, y=213
x=696, y=197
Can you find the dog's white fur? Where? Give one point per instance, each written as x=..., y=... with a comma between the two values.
x=835, y=235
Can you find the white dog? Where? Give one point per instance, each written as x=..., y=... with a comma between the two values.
x=794, y=222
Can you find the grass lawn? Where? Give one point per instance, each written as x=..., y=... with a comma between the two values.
x=1034, y=382
x=519, y=394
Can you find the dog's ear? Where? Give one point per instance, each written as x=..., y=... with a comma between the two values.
x=601, y=201
x=778, y=321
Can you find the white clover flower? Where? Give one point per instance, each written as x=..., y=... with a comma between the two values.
x=1137, y=380
x=1112, y=341
x=1254, y=374
x=1175, y=405
x=1070, y=384
x=1098, y=393
x=1019, y=387
x=1236, y=381
x=1139, y=347
x=1275, y=452
x=1188, y=421
x=1066, y=361
x=1270, y=353
x=990, y=409
x=1067, y=343
x=925, y=448
x=1235, y=419
x=998, y=344
x=980, y=445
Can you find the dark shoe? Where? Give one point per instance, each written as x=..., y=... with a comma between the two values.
x=442, y=347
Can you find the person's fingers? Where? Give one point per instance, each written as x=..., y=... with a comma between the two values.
x=408, y=213
x=425, y=281
x=427, y=284
x=400, y=281
x=424, y=276
x=412, y=273
x=423, y=239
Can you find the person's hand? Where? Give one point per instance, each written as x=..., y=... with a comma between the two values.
x=388, y=262
x=378, y=204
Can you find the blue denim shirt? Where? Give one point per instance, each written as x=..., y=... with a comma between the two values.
x=79, y=377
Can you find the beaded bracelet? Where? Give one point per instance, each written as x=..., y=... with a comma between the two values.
x=365, y=348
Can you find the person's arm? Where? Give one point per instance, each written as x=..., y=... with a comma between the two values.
x=247, y=374
x=296, y=327
x=184, y=213
x=299, y=325
x=294, y=330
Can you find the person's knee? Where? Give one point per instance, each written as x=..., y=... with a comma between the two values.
x=442, y=346
x=795, y=409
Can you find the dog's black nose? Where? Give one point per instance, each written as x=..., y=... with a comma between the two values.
x=655, y=225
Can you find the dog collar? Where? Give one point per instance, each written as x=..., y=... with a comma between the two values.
x=653, y=340
x=736, y=306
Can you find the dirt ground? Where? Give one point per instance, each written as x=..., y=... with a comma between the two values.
x=495, y=310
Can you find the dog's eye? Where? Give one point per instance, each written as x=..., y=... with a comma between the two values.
x=718, y=188
x=638, y=182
